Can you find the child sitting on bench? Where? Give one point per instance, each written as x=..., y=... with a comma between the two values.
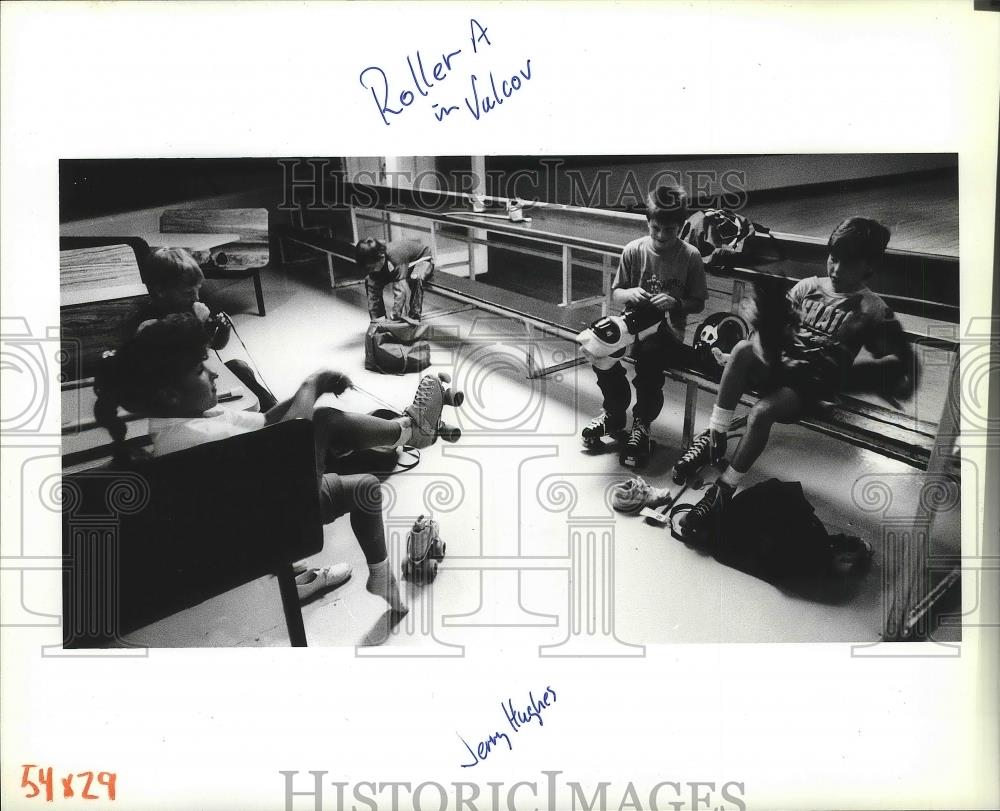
x=160, y=373
x=664, y=276
x=404, y=263
x=818, y=331
x=173, y=280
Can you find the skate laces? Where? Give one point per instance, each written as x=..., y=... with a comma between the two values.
x=639, y=433
x=422, y=400
x=701, y=445
x=601, y=423
x=703, y=508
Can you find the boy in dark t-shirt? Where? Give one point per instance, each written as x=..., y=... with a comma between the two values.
x=405, y=264
x=831, y=319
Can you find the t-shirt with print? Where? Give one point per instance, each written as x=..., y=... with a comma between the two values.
x=678, y=271
x=835, y=326
x=172, y=434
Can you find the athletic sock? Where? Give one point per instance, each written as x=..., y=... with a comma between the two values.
x=731, y=477
x=405, y=430
x=721, y=419
x=382, y=583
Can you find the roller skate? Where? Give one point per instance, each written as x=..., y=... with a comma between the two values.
x=708, y=448
x=425, y=411
x=600, y=427
x=424, y=548
x=638, y=447
x=706, y=517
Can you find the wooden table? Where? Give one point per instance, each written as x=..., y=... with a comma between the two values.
x=85, y=444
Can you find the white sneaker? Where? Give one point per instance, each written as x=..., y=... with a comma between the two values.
x=313, y=581
x=636, y=493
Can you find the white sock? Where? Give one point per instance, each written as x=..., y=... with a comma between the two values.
x=405, y=431
x=382, y=583
x=732, y=477
x=721, y=419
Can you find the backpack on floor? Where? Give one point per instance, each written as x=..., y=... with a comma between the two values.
x=771, y=530
x=393, y=347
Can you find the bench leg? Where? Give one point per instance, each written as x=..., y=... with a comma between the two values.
x=293, y=609
x=690, y=405
x=260, y=293
x=329, y=270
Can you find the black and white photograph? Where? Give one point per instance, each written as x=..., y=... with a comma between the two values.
x=670, y=393
x=499, y=405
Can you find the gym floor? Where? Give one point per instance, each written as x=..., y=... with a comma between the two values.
x=517, y=484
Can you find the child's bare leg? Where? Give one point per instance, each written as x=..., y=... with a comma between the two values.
x=736, y=376
x=361, y=496
x=783, y=405
x=710, y=446
x=348, y=431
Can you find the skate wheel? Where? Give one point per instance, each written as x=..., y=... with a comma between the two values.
x=457, y=398
x=444, y=547
x=444, y=377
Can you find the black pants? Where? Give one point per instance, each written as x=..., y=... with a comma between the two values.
x=651, y=355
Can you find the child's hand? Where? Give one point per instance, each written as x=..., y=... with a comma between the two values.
x=635, y=295
x=331, y=382
x=663, y=302
x=201, y=311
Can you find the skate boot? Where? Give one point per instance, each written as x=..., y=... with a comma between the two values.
x=602, y=426
x=425, y=412
x=636, y=493
x=424, y=548
x=708, y=448
x=706, y=516
x=636, y=450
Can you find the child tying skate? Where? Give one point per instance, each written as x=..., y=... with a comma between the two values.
x=803, y=352
x=173, y=280
x=404, y=263
x=662, y=275
x=160, y=373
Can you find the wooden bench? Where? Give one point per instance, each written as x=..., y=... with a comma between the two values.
x=142, y=544
x=241, y=259
x=864, y=425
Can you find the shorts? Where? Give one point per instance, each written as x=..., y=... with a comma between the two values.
x=813, y=378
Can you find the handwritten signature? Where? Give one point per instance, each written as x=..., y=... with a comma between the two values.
x=517, y=719
x=417, y=86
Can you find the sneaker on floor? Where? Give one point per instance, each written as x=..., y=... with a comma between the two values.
x=633, y=495
x=425, y=412
x=708, y=448
x=707, y=514
x=313, y=581
x=636, y=450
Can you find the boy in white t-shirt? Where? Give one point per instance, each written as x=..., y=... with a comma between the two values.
x=160, y=372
